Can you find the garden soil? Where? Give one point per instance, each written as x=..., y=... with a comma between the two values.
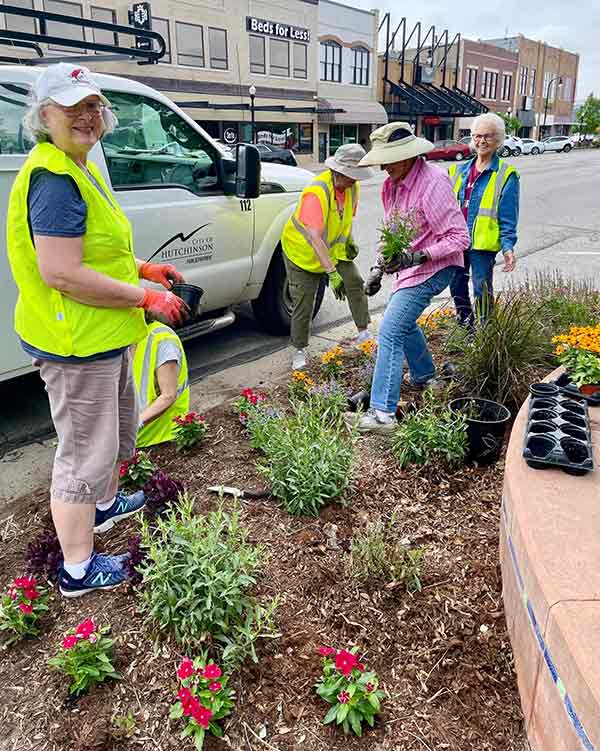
x=442, y=655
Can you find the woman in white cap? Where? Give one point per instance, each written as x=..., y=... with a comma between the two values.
x=79, y=309
x=317, y=240
x=424, y=191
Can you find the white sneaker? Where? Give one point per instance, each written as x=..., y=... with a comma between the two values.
x=370, y=422
x=363, y=336
x=299, y=360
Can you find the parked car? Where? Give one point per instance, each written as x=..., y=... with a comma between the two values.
x=277, y=155
x=531, y=146
x=449, y=150
x=512, y=146
x=180, y=190
x=558, y=143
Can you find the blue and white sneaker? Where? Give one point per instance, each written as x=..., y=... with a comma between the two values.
x=103, y=572
x=123, y=506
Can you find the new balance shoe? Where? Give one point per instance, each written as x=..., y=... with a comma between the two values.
x=103, y=572
x=370, y=422
x=122, y=507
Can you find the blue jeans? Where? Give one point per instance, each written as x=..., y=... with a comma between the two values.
x=400, y=336
x=481, y=264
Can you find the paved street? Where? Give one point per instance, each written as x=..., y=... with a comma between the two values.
x=559, y=229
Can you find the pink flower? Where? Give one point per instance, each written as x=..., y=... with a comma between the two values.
x=85, y=628
x=190, y=706
x=31, y=594
x=343, y=697
x=25, y=582
x=345, y=661
x=326, y=651
x=212, y=671
x=25, y=608
x=186, y=669
x=202, y=715
x=69, y=641
x=184, y=695
x=369, y=688
x=215, y=686
x=360, y=667
x=12, y=593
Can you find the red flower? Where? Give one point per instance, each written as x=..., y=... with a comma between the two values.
x=343, y=697
x=326, y=651
x=184, y=695
x=12, y=593
x=369, y=688
x=215, y=686
x=186, y=669
x=69, y=641
x=190, y=706
x=123, y=469
x=31, y=594
x=360, y=667
x=25, y=608
x=345, y=662
x=247, y=393
x=202, y=715
x=212, y=671
x=254, y=399
x=25, y=582
x=85, y=628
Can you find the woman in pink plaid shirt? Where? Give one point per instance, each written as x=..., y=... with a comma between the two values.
x=417, y=188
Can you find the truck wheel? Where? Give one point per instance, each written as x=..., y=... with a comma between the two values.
x=273, y=307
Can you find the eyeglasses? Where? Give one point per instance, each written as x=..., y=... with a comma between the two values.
x=91, y=109
x=483, y=136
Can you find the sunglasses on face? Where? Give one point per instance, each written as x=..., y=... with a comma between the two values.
x=91, y=109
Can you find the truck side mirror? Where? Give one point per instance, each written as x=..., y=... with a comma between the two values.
x=247, y=179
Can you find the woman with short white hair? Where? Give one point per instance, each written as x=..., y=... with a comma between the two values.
x=487, y=189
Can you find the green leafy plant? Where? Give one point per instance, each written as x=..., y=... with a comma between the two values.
x=134, y=473
x=191, y=430
x=583, y=367
x=329, y=399
x=352, y=691
x=261, y=424
x=198, y=574
x=203, y=699
x=430, y=436
x=85, y=656
x=299, y=386
x=21, y=607
x=397, y=234
x=124, y=726
x=500, y=358
x=247, y=400
x=308, y=461
x=374, y=554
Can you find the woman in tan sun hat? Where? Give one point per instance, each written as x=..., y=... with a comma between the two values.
x=317, y=240
x=416, y=188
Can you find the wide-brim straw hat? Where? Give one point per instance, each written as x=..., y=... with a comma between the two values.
x=346, y=161
x=395, y=142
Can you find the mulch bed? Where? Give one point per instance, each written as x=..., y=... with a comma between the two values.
x=443, y=655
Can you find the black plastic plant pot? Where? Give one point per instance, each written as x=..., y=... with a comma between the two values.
x=543, y=389
x=486, y=427
x=359, y=401
x=191, y=296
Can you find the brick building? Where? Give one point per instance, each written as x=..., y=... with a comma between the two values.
x=546, y=75
x=488, y=73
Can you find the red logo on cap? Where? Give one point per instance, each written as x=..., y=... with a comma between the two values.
x=77, y=74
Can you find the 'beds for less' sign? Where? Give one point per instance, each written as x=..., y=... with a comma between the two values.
x=274, y=29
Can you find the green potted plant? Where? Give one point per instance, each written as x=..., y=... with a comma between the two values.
x=578, y=352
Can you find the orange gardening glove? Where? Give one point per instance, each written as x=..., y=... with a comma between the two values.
x=165, y=306
x=161, y=273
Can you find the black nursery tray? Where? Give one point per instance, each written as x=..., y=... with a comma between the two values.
x=558, y=434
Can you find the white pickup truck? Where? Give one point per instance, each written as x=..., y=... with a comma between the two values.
x=178, y=188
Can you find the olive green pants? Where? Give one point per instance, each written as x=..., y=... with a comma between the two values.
x=303, y=292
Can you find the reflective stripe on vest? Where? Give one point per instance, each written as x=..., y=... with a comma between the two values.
x=486, y=229
x=144, y=370
x=296, y=239
x=44, y=317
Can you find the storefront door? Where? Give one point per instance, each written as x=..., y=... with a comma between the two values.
x=322, y=147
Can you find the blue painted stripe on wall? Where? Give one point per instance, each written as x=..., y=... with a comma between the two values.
x=584, y=738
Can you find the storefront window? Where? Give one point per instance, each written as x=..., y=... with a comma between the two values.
x=257, y=55
x=295, y=136
x=341, y=134
x=279, y=57
x=217, y=46
x=300, y=61
x=190, y=45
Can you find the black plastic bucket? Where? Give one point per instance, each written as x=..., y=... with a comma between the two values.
x=359, y=401
x=486, y=430
x=191, y=296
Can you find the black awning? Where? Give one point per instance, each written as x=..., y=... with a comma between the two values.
x=427, y=99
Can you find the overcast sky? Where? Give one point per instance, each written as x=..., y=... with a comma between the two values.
x=572, y=26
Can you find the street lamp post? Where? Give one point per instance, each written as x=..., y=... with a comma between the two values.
x=252, y=92
x=550, y=82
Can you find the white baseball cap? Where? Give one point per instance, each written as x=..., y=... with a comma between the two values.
x=67, y=84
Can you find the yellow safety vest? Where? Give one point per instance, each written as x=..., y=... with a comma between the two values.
x=44, y=317
x=144, y=372
x=336, y=231
x=486, y=230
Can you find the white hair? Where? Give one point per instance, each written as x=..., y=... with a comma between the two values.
x=37, y=130
x=495, y=122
